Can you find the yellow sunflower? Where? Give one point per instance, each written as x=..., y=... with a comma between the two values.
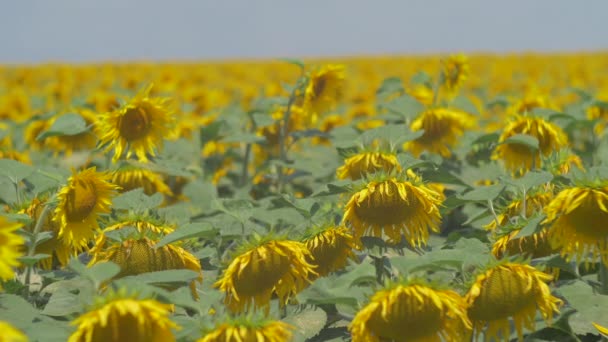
x=136, y=256
x=77, y=142
x=532, y=246
x=577, y=218
x=442, y=129
x=11, y=247
x=143, y=226
x=365, y=163
x=11, y=334
x=245, y=330
x=394, y=207
x=55, y=247
x=454, y=71
x=324, y=89
x=137, y=128
x=272, y=267
x=510, y=291
x=519, y=157
x=87, y=194
x=33, y=130
x=331, y=247
x=422, y=93
x=132, y=178
x=412, y=312
x=125, y=319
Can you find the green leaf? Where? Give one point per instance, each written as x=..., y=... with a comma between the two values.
x=390, y=85
x=62, y=303
x=14, y=170
x=248, y=138
x=405, y=105
x=484, y=193
x=421, y=77
x=532, y=226
x=31, y=260
x=407, y=161
x=102, y=271
x=308, y=323
x=532, y=179
x=484, y=139
x=294, y=61
x=395, y=134
x=189, y=231
x=137, y=200
x=182, y=277
x=589, y=306
x=523, y=139
x=67, y=124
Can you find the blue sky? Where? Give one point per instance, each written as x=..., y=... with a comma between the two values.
x=94, y=30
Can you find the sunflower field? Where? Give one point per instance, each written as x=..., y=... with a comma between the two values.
x=421, y=198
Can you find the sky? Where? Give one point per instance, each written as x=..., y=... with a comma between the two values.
x=34, y=31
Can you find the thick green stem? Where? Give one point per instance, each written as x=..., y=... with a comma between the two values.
x=33, y=239
x=491, y=206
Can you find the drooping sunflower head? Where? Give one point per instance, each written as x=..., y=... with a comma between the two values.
x=520, y=157
x=412, y=312
x=562, y=162
x=330, y=248
x=366, y=163
x=121, y=317
x=33, y=130
x=137, y=128
x=442, y=129
x=11, y=334
x=454, y=71
x=576, y=218
x=11, y=248
x=394, y=206
x=132, y=178
x=139, y=255
x=268, y=267
x=141, y=227
x=55, y=247
x=531, y=246
x=510, y=291
x=248, y=329
x=87, y=194
x=324, y=89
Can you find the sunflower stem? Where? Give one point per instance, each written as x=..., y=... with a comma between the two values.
x=523, y=205
x=17, y=193
x=284, y=124
x=32, y=246
x=491, y=206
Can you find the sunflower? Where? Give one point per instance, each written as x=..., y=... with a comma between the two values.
x=11, y=246
x=365, y=163
x=330, y=247
x=55, y=247
x=132, y=178
x=519, y=157
x=577, y=218
x=535, y=202
x=136, y=256
x=510, y=291
x=278, y=267
x=412, y=312
x=603, y=330
x=422, y=94
x=120, y=318
x=533, y=246
x=324, y=88
x=454, y=71
x=87, y=194
x=11, y=334
x=246, y=330
x=394, y=207
x=33, y=130
x=137, y=128
x=77, y=142
x=442, y=129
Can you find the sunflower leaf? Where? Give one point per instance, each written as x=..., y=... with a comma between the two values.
x=532, y=226
x=589, y=306
x=482, y=194
x=182, y=276
x=33, y=259
x=67, y=124
x=531, y=179
x=523, y=139
x=188, y=231
x=308, y=323
x=136, y=200
x=15, y=171
x=62, y=303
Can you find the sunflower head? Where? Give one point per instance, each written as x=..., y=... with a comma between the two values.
x=265, y=268
x=454, y=71
x=442, y=129
x=368, y=162
x=394, y=206
x=87, y=194
x=510, y=291
x=137, y=128
x=132, y=178
x=77, y=142
x=11, y=248
x=120, y=317
x=535, y=202
x=412, y=311
x=531, y=246
x=248, y=329
x=324, y=88
x=576, y=218
x=11, y=334
x=521, y=158
x=330, y=248
x=136, y=256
